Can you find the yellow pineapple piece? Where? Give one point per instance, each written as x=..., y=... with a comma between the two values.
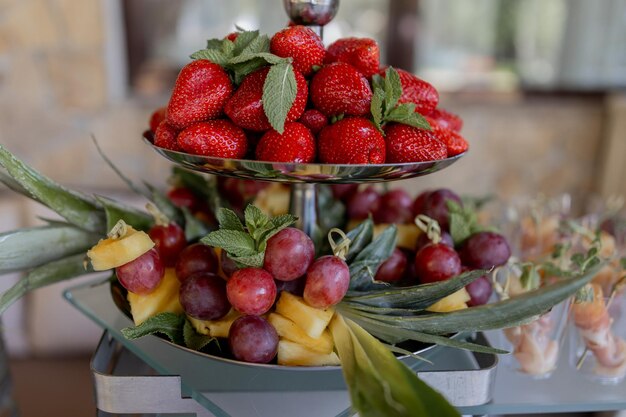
x=215, y=328
x=273, y=200
x=289, y=330
x=116, y=251
x=311, y=320
x=163, y=299
x=407, y=234
x=454, y=301
x=295, y=354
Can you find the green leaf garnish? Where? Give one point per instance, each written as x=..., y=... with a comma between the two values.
x=243, y=40
x=229, y=220
x=216, y=56
x=405, y=113
x=194, y=340
x=463, y=222
x=167, y=324
x=194, y=227
x=378, y=383
x=279, y=94
x=234, y=242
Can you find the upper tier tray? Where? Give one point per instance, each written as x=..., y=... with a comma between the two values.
x=302, y=173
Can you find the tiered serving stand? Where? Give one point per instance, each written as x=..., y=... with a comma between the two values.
x=154, y=376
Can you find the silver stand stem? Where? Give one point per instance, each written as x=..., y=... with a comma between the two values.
x=303, y=204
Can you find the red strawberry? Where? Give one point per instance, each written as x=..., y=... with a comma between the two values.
x=314, y=120
x=340, y=89
x=302, y=44
x=165, y=136
x=296, y=144
x=455, y=143
x=200, y=92
x=352, y=140
x=157, y=117
x=411, y=144
x=446, y=119
x=415, y=90
x=232, y=36
x=362, y=53
x=218, y=138
x=245, y=107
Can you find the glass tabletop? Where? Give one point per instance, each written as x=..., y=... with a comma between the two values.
x=564, y=391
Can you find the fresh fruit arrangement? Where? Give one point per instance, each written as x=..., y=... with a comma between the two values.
x=265, y=291
x=288, y=98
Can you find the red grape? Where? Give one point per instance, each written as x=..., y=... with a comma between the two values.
x=251, y=291
x=393, y=269
x=295, y=287
x=228, y=265
x=343, y=192
x=238, y=192
x=394, y=207
x=484, y=250
x=288, y=254
x=418, y=204
x=196, y=258
x=142, y=275
x=423, y=240
x=362, y=203
x=327, y=281
x=479, y=290
x=410, y=276
x=169, y=240
x=184, y=197
x=435, y=206
x=436, y=262
x=253, y=339
x=203, y=296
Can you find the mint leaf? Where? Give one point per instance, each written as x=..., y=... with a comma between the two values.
x=257, y=45
x=214, y=43
x=216, y=56
x=393, y=89
x=255, y=218
x=243, y=69
x=279, y=93
x=253, y=261
x=405, y=114
x=377, y=82
x=376, y=107
x=266, y=56
x=167, y=324
x=244, y=39
x=232, y=241
x=194, y=340
x=228, y=47
x=284, y=220
x=229, y=220
x=463, y=222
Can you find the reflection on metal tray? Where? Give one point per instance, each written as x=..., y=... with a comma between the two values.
x=124, y=384
x=302, y=173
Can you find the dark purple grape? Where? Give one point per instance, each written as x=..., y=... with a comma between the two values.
x=253, y=339
x=423, y=240
x=251, y=291
x=141, y=275
x=435, y=206
x=418, y=204
x=394, y=207
x=484, y=250
x=436, y=262
x=480, y=291
x=295, y=286
x=327, y=282
x=410, y=276
x=393, y=269
x=169, y=240
x=196, y=258
x=203, y=296
x=288, y=254
x=228, y=265
x=343, y=192
x=362, y=203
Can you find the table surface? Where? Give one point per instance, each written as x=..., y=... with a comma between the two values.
x=514, y=393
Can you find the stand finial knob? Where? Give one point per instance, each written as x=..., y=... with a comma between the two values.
x=311, y=12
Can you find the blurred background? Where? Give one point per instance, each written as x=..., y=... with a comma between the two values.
x=540, y=84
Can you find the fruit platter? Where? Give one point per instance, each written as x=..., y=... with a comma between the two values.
x=233, y=268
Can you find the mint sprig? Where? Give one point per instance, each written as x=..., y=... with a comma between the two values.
x=249, y=52
x=463, y=222
x=385, y=107
x=245, y=243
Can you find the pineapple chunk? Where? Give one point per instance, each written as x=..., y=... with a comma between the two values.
x=273, y=200
x=295, y=354
x=407, y=234
x=215, y=328
x=112, y=252
x=163, y=299
x=290, y=331
x=454, y=301
x=311, y=320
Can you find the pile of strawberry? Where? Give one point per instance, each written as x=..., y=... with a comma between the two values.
x=289, y=99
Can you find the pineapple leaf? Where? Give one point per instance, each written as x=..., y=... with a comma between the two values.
x=28, y=248
x=116, y=211
x=75, y=207
x=165, y=205
x=50, y=273
x=194, y=227
x=366, y=263
x=360, y=237
x=167, y=324
x=378, y=383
